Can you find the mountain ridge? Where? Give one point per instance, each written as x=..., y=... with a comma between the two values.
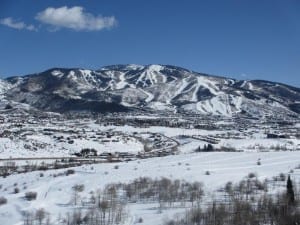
x=158, y=87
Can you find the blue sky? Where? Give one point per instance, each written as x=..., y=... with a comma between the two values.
x=254, y=39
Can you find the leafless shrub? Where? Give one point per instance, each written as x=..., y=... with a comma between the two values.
x=16, y=190
x=69, y=172
x=251, y=175
x=29, y=196
x=3, y=200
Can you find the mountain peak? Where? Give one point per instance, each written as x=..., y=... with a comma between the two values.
x=154, y=86
x=123, y=67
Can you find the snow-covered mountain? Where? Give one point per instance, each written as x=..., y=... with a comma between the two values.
x=4, y=86
x=155, y=87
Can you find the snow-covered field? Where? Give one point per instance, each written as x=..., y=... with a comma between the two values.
x=32, y=141
x=55, y=193
x=249, y=151
x=62, y=144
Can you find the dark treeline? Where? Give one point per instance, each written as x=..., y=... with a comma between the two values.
x=247, y=202
x=108, y=207
x=165, y=191
x=264, y=211
x=281, y=209
x=11, y=167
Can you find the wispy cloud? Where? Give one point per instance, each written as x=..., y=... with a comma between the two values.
x=75, y=18
x=19, y=25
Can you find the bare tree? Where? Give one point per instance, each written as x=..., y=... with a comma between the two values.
x=76, y=190
x=40, y=215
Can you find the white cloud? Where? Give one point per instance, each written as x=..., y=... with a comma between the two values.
x=10, y=22
x=74, y=18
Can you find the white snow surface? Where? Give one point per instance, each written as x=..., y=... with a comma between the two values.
x=4, y=86
x=54, y=194
x=57, y=73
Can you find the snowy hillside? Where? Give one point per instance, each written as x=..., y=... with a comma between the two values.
x=156, y=87
x=4, y=86
x=54, y=189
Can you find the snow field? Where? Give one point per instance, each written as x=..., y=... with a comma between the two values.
x=54, y=193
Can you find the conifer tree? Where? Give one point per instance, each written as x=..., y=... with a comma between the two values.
x=290, y=191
